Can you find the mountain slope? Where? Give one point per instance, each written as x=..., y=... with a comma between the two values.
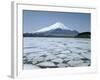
x=57, y=25
x=84, y=35
x=56, y=30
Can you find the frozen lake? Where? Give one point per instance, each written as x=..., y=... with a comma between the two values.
x=41, y=52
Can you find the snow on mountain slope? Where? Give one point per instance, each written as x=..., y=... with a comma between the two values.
x=56, y=30
x=57, y=25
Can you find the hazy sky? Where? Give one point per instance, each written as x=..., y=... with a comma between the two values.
x=35, y=20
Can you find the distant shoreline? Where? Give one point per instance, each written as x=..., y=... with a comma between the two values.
x=53, y=37
x=80, y=35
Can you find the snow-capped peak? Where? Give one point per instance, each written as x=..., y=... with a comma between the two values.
x=57, y=25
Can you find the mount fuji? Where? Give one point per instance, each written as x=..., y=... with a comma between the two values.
x=56, y=30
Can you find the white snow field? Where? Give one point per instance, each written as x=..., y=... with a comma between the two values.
x=53, y=27
x=47, y=52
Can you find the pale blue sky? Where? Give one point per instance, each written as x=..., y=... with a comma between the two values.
x=34, y=20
